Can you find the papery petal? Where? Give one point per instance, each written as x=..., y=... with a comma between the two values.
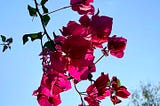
x=105, y=94
x=82, y=6
x=76, y=47
x=117, y=45
x=92, y=90
x=102, y=24
x=102, y=81
x=58, y=62
x=72, y=2
x=43, y=100
x=118, y=54
x=122, y=92
x=115, y=100
x=84, y=20
x=64, y=83
x=74, y=29
x=91, y=101
x=79, y=73
x=100, y=28
x=55, y=100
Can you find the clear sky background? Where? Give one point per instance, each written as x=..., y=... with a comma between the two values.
x=20, y=68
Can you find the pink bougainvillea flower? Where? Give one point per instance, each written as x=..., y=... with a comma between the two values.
x=116, y=46
x=118, y=91
x=122, y=92
x=80, y=73
x=59, y=83
x=93, y=98
x=96, y=30
x=58, y=62
x=115, y=100
x=76, y=47
x=44, y=96
x=100, y=29
x=80, y=68
x=85, y=20
x=82, y=6
x=98, y=90
x=101, y=84
x=92, y=101
x=102, y=81
x=59, y=41
x=44, y=100
x=52, y=84
x=54, y=60
x=73, y=29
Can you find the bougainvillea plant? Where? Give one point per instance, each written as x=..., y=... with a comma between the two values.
x=69, y=57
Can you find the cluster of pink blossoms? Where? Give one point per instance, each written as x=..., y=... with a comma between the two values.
x=72, y=59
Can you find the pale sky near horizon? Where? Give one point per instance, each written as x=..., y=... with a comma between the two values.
x=20, y=68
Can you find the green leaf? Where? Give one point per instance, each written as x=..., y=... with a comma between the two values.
x=3, y=38
x=9, y=40
x=4, y=48
x=32, y=11
x=50, y=45
x=35, y=36
x=25, y=39
x=45, y=10
x=43, y=2
x=45, y=19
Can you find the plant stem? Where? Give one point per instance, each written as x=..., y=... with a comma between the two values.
x=41, y=18
x=79, y=94
x=42, y=44
x=57, y=10
x=99, y=59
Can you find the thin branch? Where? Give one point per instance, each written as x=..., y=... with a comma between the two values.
x=41, y=18
x=42, y=44
x=79, y=94
x=99, y=58
x=57, y=10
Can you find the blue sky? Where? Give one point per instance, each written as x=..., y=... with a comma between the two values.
x=20, y=68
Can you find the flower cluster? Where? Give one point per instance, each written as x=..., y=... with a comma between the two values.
x=102, y=88
x=71, y=58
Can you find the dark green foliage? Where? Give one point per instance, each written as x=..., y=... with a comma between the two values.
x=43, y=2
x=3, y=38
x=32, y=11
x=33, y=37
x=9, y=40
x=50, y=45
x=5, y=47
x=45, y=10
x=45, y=19
x=6, y=42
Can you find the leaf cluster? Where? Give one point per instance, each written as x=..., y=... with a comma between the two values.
x=34, y=11
x=6, y=42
